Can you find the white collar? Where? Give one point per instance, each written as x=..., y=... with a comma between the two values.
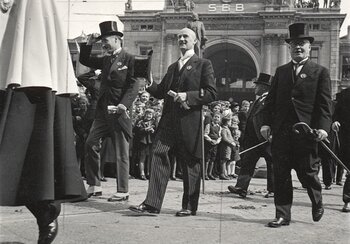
x=116, y=52
x=188, y=54
x=302, y=62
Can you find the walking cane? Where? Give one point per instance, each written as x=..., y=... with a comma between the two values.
x=203, y=159
x=312, y=132
x=253, y=147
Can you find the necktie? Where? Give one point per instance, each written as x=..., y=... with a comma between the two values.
x=298, y=67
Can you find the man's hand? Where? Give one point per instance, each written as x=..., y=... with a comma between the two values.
x=321, y=135
x=120, y=108
x=180, y=97
x=335, y=126
x=265, y=131
x=92, y=38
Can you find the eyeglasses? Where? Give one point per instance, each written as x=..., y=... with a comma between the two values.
x=298, y=43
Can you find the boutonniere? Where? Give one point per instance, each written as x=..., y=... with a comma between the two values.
x=5, y=5
x=303, y=76
x=189, y=67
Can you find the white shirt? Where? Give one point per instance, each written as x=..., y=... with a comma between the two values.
x=299, y=65
x=185, y=57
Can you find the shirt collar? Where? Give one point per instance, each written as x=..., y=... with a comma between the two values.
x=302, y=62
x=116, y=52
x=188, y=54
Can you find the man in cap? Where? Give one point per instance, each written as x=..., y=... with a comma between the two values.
x=117, y=92
x=252, y=137
x=187, y=85
x=300, y=92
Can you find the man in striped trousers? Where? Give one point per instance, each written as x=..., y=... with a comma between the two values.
x=188, y=84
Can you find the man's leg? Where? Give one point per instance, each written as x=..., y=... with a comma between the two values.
x=121, y=145
x=160, y=169
x=92, y=152
x=191, y=182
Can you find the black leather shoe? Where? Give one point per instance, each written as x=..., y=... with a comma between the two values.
x=346, y=208
x=185, y=213
x=317, y=213
x=276, y=223
x=95, y=194
x=48, y=233
x=237, y=190
x=103, y=179
x=144, y=208
x=212, y=177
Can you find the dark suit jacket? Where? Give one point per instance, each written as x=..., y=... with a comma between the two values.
x=342, y=115
x=255, y=118
x=310, y=95
x=117, y=84
x=197, y=80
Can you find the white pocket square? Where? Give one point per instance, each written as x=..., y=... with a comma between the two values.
x=122, y=68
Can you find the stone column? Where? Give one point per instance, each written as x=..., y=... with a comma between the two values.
x=267, y=54
x=169, y=40
x=282, y=50
x=334, y=56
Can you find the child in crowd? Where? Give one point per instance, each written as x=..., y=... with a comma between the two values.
x=144, y=131
x=227, y=145
x=212, y=136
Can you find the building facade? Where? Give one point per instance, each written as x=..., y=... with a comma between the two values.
x=245, y=37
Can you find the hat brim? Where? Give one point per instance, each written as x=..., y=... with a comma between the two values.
x=112, y=33
x=311, y=39
x=261, y=83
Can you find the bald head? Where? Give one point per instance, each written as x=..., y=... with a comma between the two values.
x=186, y=39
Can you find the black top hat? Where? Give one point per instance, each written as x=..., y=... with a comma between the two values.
x=264, y=79
x=142, y=66
x=109, y=28
x=299, y=31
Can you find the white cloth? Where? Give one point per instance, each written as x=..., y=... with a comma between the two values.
x=184, y=58
x=34, y=49
x=299, y=66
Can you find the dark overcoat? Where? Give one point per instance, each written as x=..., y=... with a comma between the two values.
x=309, y=92
x=197, y=80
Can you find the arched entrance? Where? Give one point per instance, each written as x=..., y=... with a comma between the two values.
x=235, y=70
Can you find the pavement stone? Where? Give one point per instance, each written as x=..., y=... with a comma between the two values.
x=222, y=217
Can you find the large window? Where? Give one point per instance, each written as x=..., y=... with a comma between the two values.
x=314, y=54
x=346, y=68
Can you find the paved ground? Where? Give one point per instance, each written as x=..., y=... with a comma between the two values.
x=222, y=218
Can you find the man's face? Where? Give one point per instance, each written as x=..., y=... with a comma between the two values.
x=299, y=49
x=186, y=39
x=110, y=44
x=148, y=116
x=260, y=89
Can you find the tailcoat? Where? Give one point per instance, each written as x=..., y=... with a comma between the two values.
x=179, y=130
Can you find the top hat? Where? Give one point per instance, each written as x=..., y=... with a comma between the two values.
x=299, y=31
x=142, y=65
x=264, y=79
x=109, y=28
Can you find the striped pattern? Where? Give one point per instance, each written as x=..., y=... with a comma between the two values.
x=168, y=139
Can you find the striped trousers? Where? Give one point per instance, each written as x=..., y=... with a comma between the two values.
x=166, y=140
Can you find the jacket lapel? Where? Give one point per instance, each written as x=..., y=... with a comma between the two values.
x=119, y=61
x=188, y=68
x=305, y=73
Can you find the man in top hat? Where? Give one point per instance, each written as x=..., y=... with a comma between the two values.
x=179, y=130
x=112, y=119
x=300, y=92
x=252, y=137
